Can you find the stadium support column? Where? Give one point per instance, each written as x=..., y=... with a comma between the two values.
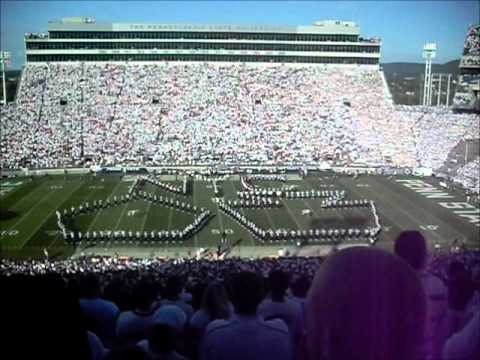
x=81, y=139
x=426, y=81
x=430, y=88
x=466, y=151
x=4, y=87
x=439, y=95
x=449, y=78
x=429, y=52
x=4, y=58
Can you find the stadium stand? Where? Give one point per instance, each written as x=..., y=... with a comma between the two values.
x=109, y=114
x=154, y=114
x=141, y=289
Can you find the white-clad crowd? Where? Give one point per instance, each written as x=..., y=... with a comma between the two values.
x=152, y=114
x=469, y=176
x=472, y=41
x=437, y=134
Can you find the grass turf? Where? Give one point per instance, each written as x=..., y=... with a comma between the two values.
x=28, y=206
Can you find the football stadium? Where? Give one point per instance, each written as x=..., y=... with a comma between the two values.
x=151, y=166
x=109, y=117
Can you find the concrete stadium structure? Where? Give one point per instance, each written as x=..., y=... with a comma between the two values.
x=83, y=39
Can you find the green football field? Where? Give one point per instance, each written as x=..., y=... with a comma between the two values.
x=28, y=222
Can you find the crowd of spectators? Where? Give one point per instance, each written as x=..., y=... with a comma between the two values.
x=403, y=306
x=436, y=134
x=469, y=176
x=472, y=41
x=155, y=114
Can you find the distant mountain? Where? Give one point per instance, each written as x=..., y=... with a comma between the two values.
x=405, y=81
x=403, y=69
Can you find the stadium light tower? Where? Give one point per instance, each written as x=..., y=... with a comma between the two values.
x=429, y=53
x=448, y=89
x=4, y=58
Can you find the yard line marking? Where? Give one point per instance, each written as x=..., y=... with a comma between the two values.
x=30, y=194
x=24, y=216
x=291, y=214
x=195, y=238
x=99, y=212
x=269, y=218
x=338, y=212
x=381, y=214
x=311, y=208
x=88, y=197
x=170, y=215
x=125, y=206
x=416, y=223
x=248, y=232
x=47, y=217
x=146, y=215
x=392, y=206
x=220, y=218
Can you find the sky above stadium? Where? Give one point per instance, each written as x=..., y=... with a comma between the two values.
x=403, y=26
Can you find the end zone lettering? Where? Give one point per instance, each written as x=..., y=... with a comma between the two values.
x=462, y=209
x=425, y=189
x=472, y=213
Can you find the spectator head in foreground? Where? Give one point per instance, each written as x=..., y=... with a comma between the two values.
x=247, y=293
x=90, y=286
x=215, y=301
x=131, y=352
x=144, y=295
x=162, y=339
x=365, y=303
x=42, y=318
x=173, y=287
x=278, y=283
x=412, y=247
x=300, y=286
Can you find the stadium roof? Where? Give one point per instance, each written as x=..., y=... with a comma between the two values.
x=319, y=27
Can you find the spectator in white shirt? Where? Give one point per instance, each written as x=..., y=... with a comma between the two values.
x=134, y=325
x=277, y=305
x=246, y=335
x=365, y=304
x=174, y=295
x=215, y=305
x=100, y=314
